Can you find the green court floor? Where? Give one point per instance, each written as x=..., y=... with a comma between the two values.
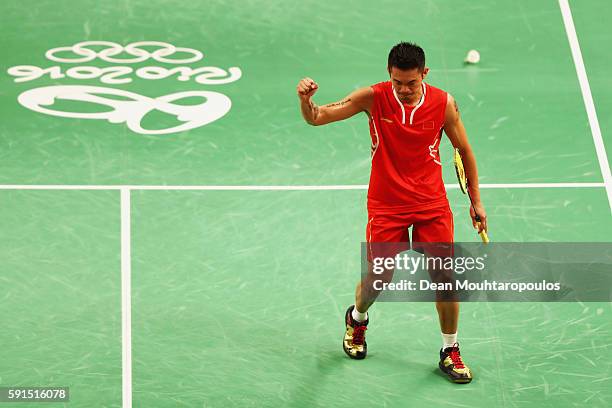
x=238, y=296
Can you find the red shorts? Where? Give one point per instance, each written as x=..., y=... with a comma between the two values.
x=435, y=225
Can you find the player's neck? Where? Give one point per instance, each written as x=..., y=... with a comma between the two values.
x=413, y=101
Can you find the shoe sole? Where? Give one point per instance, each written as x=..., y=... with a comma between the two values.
x=352, y=356
x=453, y=379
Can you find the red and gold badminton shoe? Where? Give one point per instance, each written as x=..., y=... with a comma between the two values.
x=453, y=366
x=354, y=343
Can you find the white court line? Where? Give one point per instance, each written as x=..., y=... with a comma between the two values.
x=126, y=298
x=279, y=187
x=572, y=37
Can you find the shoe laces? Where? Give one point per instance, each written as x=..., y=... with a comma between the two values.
x=359, y=334
x=455, y=356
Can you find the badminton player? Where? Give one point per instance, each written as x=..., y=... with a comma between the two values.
x=406, y=191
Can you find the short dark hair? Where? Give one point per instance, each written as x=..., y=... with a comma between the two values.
x=406, y=56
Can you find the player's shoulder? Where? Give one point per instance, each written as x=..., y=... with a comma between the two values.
x=436, y=91
x=380, y=86
x=381, y=90
x=439, y=96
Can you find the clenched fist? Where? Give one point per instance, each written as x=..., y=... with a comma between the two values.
x=306, y=88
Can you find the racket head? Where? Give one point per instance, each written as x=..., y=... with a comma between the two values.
x=460, y=171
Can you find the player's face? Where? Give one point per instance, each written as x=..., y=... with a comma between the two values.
x=407, y=83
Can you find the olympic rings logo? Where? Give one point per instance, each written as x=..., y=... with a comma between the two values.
x=165, y=50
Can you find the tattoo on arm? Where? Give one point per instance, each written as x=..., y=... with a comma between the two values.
x=456, y=107
x=341, y=103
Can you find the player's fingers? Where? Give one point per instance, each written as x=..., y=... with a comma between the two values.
x=304, y=89
x=307, y=86
x=312, y=83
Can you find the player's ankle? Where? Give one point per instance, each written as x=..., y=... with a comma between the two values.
x=359, y=316
x=448, y=340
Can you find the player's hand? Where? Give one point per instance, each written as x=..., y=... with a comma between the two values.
x=482, y=214
x=306, y=88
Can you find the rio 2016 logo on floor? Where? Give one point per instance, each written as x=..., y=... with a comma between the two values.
x=128, y=107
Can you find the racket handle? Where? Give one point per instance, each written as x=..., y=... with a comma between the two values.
x=483, y=233
x=484, y=236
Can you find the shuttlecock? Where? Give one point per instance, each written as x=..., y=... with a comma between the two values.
x=472, y=57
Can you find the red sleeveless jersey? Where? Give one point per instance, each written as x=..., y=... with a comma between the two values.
x=406, y=170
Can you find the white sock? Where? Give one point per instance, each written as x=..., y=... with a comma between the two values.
x=448, y=340
x=357, y=315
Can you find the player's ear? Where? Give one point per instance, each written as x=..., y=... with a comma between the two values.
x=389, y=70
x=425, y=72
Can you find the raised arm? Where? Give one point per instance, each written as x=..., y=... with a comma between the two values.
x=454, y=129
x=357, y=101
